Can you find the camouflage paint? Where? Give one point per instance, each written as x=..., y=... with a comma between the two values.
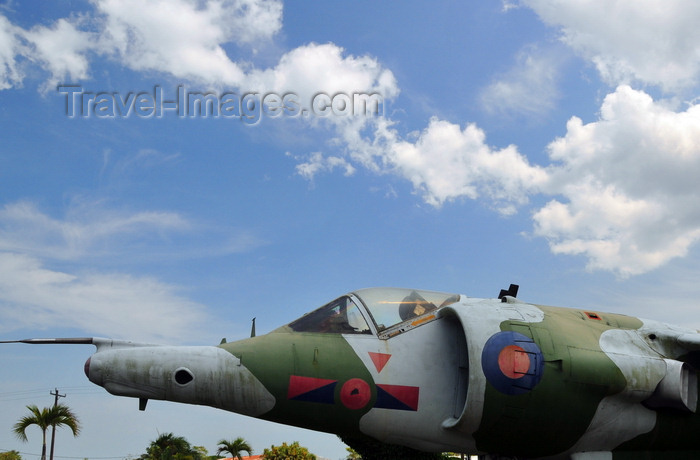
x=277, y=358
x=577, y=376
x=478, y=376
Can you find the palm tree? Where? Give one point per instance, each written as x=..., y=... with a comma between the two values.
x=235, y=448
x=352, y=454
x=58, y=415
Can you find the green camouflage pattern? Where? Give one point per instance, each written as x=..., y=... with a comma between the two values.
x=434, y=372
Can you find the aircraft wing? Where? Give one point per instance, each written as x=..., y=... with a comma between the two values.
x=691, y=342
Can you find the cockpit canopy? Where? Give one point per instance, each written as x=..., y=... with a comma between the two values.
x=384, y=308
x=342, y=316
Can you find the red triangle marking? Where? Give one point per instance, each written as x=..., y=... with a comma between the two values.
x=379, y=360
x=299, y=385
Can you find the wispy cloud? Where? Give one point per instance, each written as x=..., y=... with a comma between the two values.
x=32, y=295
x=113, y=305
x=99, y=302
x=316, y=163
x=143, y=160
x=10, y=74
x=88, y=230
x=529, y=88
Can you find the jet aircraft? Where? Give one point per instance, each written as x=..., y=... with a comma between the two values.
x=435, y=372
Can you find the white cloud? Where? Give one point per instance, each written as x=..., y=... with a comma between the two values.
x=62, y=49
x=655, y=42
x=529, y=88
x=121, y=305
x=630, y=185
x=113, y=305
x=10, y=74
x=624, y=187
x=313, y=68
x=90, y=230
x=325, y=68
x=250, y=21
x=447, y=162
x=87, y=230
x=316, y=163
x=184, y=37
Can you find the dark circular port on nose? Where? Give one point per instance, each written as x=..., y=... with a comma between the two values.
x=87, y=368
x=183, y=376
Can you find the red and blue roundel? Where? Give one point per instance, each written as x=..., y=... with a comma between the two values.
x=512, y=362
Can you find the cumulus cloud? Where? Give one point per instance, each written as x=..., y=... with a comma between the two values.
x=62, y=49
x=325, y=69
x=315, y=68
x=447, y=162
x=444, y=162
x=624, y=188
x=629, y=182
x=186, y=39
x=183, y=37
x=654, y=42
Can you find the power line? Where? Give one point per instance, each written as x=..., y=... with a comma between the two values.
x=33, y=394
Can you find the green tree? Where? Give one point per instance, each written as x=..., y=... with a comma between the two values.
x=352, y=454
x=203, y=452
x=58, y=415
x=235, y=447
x=10, y=455
x=167, y=446
x=288, y=452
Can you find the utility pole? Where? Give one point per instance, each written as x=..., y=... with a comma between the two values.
x=53, y=432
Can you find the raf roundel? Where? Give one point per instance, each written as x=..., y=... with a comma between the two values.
x=512, y=362
x=355, y=394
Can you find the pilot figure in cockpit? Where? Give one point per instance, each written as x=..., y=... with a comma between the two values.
x=414, y=305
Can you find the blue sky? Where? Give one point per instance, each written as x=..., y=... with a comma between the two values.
x=546, y=143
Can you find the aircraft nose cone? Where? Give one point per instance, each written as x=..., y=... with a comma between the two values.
x=93, y=370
